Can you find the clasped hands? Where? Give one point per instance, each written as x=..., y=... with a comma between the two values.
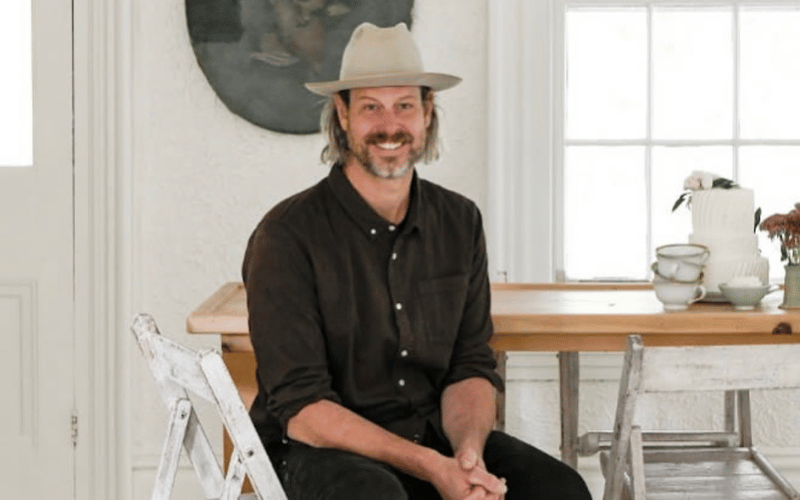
x=465, y=478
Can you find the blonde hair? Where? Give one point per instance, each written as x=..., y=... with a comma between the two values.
x=337, y=148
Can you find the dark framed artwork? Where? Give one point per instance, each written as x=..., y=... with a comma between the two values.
x=257, y=54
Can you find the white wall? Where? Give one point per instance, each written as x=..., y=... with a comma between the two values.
x=203, y=178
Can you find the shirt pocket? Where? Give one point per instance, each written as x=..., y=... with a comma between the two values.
x=442, y=302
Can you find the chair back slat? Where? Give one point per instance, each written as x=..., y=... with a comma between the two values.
x=669, y=369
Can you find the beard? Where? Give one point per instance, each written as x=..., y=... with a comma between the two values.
x=386, y=169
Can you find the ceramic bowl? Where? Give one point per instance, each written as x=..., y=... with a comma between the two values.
x=746, y=298
x=677, y=296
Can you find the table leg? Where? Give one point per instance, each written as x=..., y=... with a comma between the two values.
x=745, y=432
x=500, y=399
x=569, y=377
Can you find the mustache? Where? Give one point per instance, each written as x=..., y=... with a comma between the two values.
x=400, y=137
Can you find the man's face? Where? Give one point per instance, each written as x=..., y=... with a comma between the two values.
x=386, y=128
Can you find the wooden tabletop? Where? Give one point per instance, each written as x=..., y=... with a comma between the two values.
x=567, y=317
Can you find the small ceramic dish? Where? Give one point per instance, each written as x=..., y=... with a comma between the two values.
x=746, y=298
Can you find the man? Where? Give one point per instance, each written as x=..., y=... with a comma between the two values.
x=368, y=298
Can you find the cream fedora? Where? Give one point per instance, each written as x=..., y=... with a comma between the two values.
x=382, y=57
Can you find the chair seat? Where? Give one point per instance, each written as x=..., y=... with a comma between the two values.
x=706, y=474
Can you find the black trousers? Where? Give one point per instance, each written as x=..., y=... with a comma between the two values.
x=324, y=474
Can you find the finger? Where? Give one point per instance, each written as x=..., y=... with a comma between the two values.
x=492, y=483
x=476, y=494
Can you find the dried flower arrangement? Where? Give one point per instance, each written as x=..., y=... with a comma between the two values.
x=786, y=228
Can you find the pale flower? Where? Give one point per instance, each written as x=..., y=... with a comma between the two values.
x=692, y=182
x=701, y=180
x=707, y=180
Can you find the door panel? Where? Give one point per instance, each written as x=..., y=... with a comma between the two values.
x=36, y=279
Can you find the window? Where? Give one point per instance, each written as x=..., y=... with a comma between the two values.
x=653, y=92
x=16, y=84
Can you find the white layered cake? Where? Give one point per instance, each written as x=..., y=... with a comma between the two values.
x=723, y=221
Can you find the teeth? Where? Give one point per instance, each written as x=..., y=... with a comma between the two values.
x=390, y=145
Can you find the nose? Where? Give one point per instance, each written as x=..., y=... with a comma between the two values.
x=389, y=122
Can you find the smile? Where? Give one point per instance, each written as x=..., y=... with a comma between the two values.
x=391, y=146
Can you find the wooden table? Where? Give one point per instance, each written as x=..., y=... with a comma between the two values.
x=565, y=318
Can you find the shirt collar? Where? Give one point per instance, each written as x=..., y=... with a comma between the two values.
x=362, y=214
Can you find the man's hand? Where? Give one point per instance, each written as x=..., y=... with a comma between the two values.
x=464, y=477
x=467, y=419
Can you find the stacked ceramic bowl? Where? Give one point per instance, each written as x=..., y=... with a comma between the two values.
x=678, y=274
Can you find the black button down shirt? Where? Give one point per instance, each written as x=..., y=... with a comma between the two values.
x=379, y=318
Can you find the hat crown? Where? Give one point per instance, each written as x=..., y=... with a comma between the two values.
x=382, y=57
x=380, y=51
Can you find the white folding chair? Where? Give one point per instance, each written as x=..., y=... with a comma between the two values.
x=179, y=372
x=727, y=469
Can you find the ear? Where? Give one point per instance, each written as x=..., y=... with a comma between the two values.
x=341, y=110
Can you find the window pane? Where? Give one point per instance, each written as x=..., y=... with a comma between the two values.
x=605, y=218
x=16, y=83
x=770, y=73
x=774, y=174
x=671, y=167
x=606, y=61
x=692, y=73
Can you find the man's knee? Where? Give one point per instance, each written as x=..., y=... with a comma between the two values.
x=363, y=484
x=336, y=475
x=532, y=473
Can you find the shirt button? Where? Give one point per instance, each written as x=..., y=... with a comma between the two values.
x=398, y=306
x=392, y=228
x=394, y=256
x=401, y=382
x=373, y=231
x=404, y=353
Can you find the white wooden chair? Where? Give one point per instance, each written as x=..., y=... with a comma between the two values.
x=180, y=374
x=643, y=465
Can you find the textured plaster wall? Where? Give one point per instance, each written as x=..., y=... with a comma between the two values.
x=203, y=177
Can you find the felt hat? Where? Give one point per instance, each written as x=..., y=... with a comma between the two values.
x=382, y=57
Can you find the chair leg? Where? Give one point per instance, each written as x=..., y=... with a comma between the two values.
x=171, y=453
x=730, y=411
x=769, y=470
x=637, y=464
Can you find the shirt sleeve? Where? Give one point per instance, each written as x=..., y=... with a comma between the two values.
x=472, y=356
x=285, y=322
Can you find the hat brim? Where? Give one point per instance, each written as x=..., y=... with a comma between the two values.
x=436, y=81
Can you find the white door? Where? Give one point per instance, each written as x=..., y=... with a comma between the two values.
x=36, y=258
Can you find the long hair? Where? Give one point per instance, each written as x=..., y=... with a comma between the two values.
x=337, y=148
